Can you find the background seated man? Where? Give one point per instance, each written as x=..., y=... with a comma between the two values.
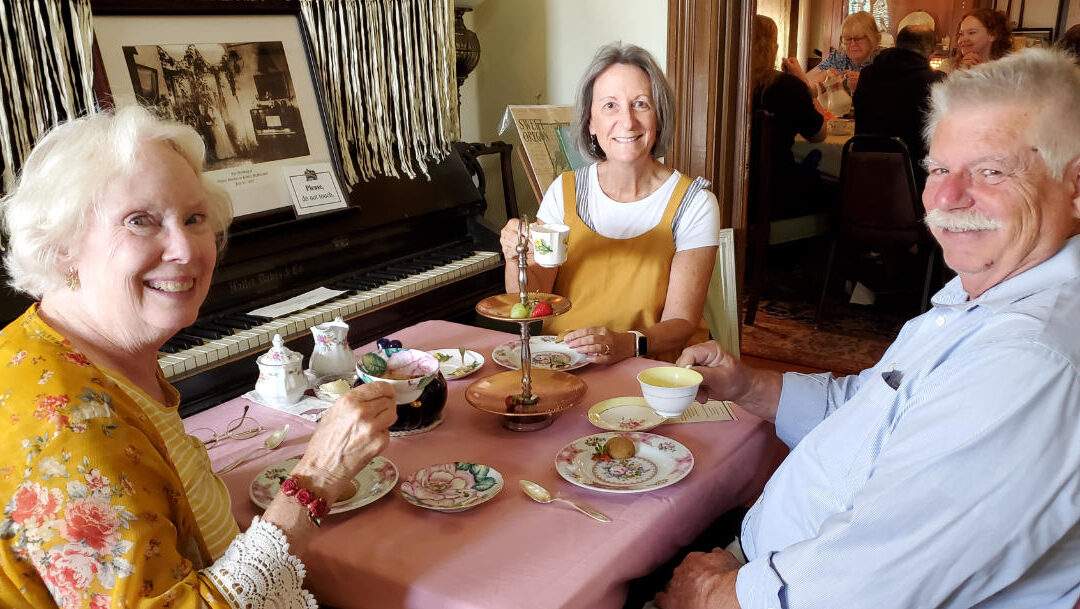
x=893, y=93
x=947, y=475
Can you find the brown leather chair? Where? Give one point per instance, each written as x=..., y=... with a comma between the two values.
x=879, y=209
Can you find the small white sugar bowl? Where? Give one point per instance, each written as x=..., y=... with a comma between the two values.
x=281, y=375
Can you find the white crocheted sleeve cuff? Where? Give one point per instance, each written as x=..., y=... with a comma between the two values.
x=257, y=571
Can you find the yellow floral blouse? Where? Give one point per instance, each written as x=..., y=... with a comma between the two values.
x=95, y=514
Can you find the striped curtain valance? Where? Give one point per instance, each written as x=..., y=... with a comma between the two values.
x=387, y=68
x=45, y=72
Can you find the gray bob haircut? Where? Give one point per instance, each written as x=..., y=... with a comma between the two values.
x=1045, y=82
x=663, y=98
x=61, y=182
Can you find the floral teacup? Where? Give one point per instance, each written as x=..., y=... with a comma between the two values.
x=407, y=370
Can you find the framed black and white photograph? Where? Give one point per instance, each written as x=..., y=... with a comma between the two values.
x=244, y=82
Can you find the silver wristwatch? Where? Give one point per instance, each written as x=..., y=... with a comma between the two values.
x=641, y=344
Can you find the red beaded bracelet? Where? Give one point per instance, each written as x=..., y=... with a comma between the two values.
x=317, y=507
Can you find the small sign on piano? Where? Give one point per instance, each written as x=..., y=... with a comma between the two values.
x=313, y=188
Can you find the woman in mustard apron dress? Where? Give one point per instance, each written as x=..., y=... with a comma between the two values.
x=643, y=236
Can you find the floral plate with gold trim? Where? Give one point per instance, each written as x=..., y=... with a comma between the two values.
x=450, y=362
x=546, y=354
x=625, y=414
x=452, y=487
x=374, y=481
x=658, y=461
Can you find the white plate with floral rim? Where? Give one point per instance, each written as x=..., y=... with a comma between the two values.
x=452, y=487
x=625, y=414
x=546, y=354
x=657, y=462
x=374, y=481
x=450, y=362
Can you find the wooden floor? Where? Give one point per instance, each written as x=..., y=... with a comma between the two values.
x=769, y=364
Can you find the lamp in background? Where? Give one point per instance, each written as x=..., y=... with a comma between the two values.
x=466, y=44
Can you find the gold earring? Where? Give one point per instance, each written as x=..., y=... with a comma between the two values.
x=71, y=279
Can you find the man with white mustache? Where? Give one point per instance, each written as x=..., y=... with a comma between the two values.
x=948, y=474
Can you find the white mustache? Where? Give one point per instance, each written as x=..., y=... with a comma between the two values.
x=960, y=221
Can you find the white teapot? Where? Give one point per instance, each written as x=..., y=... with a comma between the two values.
x=281, y=375
x=835, y=99
x=331, y=354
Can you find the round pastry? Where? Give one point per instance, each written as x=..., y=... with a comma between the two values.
x=619, y=447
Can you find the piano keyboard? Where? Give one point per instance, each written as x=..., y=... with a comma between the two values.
x=188, y=361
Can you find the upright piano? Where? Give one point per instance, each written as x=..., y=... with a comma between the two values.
x=404, y=251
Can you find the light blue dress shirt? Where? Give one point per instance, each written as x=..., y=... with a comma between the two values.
x=948, y=475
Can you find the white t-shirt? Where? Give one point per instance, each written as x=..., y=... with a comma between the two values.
x=697, y=223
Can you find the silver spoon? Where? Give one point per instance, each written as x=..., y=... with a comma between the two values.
x=541, y=495
x=272, y=441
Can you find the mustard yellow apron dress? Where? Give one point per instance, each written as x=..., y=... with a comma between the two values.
x=618, y=283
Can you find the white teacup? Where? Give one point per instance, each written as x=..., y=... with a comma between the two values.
x=549, y=244
x=669, y=390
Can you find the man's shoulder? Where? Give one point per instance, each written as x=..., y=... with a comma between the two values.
x=1047, y=319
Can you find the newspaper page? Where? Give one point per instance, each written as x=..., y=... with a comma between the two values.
x=545, y=135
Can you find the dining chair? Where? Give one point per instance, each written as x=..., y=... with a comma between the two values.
x=879, y=209
x=762, y=231
x=721, y=301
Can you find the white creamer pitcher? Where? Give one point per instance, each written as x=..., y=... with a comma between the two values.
x=835, y=99
x=281, y=375
x=331, y=354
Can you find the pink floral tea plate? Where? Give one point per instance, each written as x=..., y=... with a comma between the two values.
x=624, y=414
x=452, y=487
x=546, y=354
x=658, y=461
x=374, y=481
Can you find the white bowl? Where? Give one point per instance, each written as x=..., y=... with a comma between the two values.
x=669, y=390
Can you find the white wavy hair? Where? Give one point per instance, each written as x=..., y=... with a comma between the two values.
x=1045, y=81
x=63, y=178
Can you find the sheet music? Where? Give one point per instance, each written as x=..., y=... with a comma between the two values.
x=297, y=303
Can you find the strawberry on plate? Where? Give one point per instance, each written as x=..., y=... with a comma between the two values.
x=541, y=309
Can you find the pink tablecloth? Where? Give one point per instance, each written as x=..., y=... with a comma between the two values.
x=509, y=552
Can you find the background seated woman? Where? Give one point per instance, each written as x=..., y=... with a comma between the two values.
x=109, y=502
x=860, y=41
x=793, y=112
x=984, y=35
x=643, y=237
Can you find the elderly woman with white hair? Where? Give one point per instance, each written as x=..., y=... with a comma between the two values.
x=860, y=41
x=108, y=503
x=643, y=236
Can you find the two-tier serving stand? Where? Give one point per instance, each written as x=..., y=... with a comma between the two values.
x=526, y=399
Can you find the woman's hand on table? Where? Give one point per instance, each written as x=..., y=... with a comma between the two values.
x=351, y=433
x=727, y=378
x=702, y=581
x=601, y=345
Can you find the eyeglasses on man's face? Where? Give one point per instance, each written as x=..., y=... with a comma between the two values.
x=846, y=40
x=240, y=428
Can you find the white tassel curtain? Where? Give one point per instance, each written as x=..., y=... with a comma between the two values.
x=387, y=69
x=45, y=72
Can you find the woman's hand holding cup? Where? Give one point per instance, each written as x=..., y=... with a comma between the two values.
x=351, y=433
x=545, y=244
